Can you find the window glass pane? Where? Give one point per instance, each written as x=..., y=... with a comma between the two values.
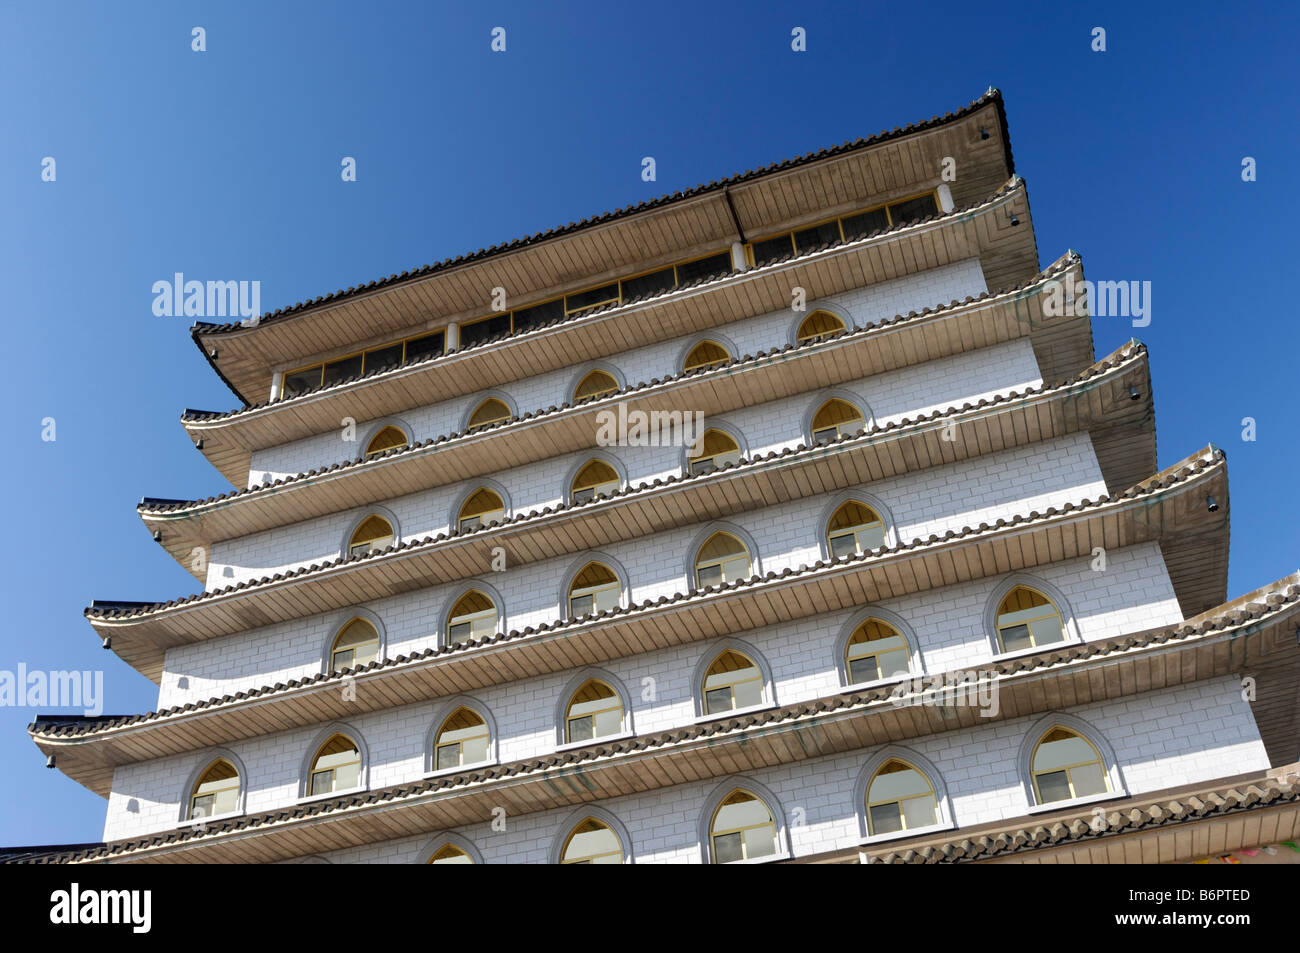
x=1065, y=750
x=809, y=238
x=581, y=605
x=322, y=782
x=539, y=314
x=458, y=631
x=203, y=806
x=226, y=801
x=582, y=729
x=607, y=599
x=650, y=284
x=382, y=357
x=892, y=785
x=1016, y=637
x=417, y=349
x=825, y=435
x=343, y=659
x=703, y=466
x=448, y=756
x=886, y=818
x=338, y=370
x=1047, y=631
x=748, y=693
x=727, y=848
x=919, y=812
x=913, y=209
x=760, y=842
x=1088, y=779
x=716, y=700
x=583, y=300
x=772, y=249
x=893, y=663
x=1054, y=786
x=609, y=722
x=474, y=750
x=864, y=223
x=863, y=670
x=710, y=267
x=844, y=545
x=347, y=776
x=709, y=576
x=301, y=381
x=483, y=330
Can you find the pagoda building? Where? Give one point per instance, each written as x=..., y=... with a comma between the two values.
x=791, y=517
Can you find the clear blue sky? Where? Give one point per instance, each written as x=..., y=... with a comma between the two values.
x=225, y=164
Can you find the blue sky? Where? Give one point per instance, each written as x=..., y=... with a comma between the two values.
x=225, y=164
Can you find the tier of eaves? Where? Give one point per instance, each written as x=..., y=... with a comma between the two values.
x=971, y=142
x=1169, y=509
x=998, y=231
x=1062, y=344
x=1226, y=641
x=1100, y=402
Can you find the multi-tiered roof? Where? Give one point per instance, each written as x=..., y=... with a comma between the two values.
x=983, y=214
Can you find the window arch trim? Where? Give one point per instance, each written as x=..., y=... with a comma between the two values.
x=309, y=758
x=915, y=658
x=482, y=397
x=339, y=622
x=570, y=689
x=725, y=790
x=581, y=563
x=1109, y=763
x=691, y=343
x=608, y=458
x=832, y=305
x=383, y=513
x=481, y=483
x=821, y=398
x=585, y=371
x=206, y=759
x=731, y=430
x=943, y=804
x=855, y=495
x=444, y=711
x=374, y=428
x=711, y=652
x=705, y=534
x=449, y=605
x=1069, y=626
x=449, y=839
x=597, y=814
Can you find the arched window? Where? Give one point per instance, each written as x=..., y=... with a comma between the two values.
x=596, y=384
x=722, y=558
x=371, y=536
x=216, y=792
x=594, y=589
x=876, y=650
x=595, y=479
x=1027, y=619
x=450, y=854
x=592, y=842
x=717, y=449
x=818, y=325
x=836, y=418
x=900, y=798
x=389, y=438
x=1066, y=765
x=731, y=682
x=474, y=616
x=855, y=528
x=482, y=507
x=336, y=767
x=462, y=740
x=595, y=711
x=356, y=644
x=706, y=354
x=491, y=411
x=742, y=829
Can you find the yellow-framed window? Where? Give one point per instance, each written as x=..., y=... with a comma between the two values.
x=722, y=558
x=853, y=529
x=482, y=507
x=388, y=438
x=876, y=650
x=1028, y=619
x=372, y=360
x=491, y=411
x=717, y=449
x=336, y=767
x=372, y=535
x=818, y=326
x=900, y=798
x=845, y=228
x=450, y=854
x=216, y=792
x=462, y=740
x=596, y=384
x=731, y=682
x=706, y=354
x=742, y=828
x=473, y=616
x=1065, y=765
x=595, y=711
x=592, y=842
x=594, y=589
x=596, y=478
x=356, y=644
x=836, y=418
